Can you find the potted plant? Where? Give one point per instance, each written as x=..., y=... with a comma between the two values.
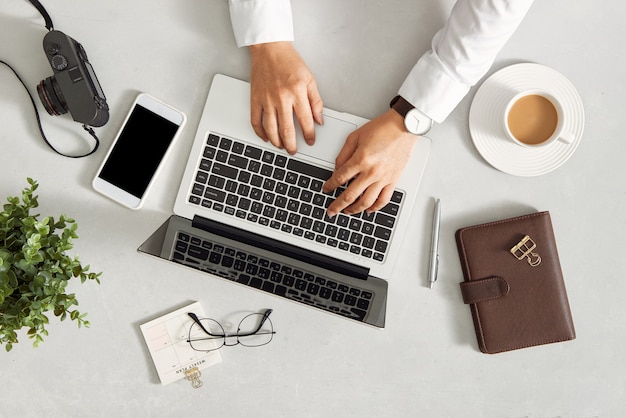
x=35, y=269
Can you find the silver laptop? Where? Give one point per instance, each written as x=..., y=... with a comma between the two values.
x=250, y=213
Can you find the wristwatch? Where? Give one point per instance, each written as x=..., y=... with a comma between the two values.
x=415, y=121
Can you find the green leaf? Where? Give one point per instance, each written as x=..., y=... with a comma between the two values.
x=35, y=269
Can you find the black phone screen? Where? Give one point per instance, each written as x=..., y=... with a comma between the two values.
x=138, y=151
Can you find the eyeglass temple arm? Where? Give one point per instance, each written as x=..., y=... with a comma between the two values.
x=266, y=315
x=197, y=321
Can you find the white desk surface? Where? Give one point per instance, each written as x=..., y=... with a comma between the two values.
x=426, y=362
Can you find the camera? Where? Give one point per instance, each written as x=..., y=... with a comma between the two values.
x=74, y=86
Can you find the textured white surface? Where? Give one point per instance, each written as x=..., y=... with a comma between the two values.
x=426, y=362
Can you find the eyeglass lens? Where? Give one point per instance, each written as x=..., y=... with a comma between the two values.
x=248, y=333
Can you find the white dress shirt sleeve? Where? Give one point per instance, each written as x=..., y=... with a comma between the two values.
x=261, y=21
x=462, y=53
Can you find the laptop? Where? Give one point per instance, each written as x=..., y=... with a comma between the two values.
x=253, y=214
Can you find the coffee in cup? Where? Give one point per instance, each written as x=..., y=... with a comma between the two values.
x=535, y=118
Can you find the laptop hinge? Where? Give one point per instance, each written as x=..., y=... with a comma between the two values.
x=275, y=246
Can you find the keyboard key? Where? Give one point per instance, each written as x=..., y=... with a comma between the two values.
x=253, y=152
x=225, y=171
x=256, y=207
x=385, y=220
x=268, y=157
x=244, y=176
x=213, y=140
x=225, y=144
x=308, y=169
x=278, y=174
x=316, y=185
x=238, y=148
x=304, y=182
x=214, y=194
x=238, y=161
x=197, y=189
x=222, y=156
x=397, y=196
x=280, y=161
x=381, y=246
x=391, y=208
x=266, y=170
x=205, y=165
x=367, y=228
x=281, y=188
x=231, y=186
x=382, y=233
x=254, y=166
x=202, y=177
x=355, y=224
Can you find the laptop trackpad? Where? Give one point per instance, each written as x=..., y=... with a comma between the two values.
x=329, y=139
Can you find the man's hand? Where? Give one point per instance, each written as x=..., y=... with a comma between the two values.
x=372, y=159
x=282, y=84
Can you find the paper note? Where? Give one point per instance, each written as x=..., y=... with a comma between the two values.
x=172, y=355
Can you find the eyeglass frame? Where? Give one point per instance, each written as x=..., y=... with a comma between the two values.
x=225, y=335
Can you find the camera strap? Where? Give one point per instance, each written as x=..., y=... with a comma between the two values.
x=44, y=13
x=89, y=130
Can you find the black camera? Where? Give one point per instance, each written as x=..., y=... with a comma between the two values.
x=74, y=86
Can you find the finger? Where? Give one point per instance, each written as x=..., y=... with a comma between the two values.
x=256, y=120
x=306, y=120
x=287, y=129
x=270, y=124
x=348, y=150
x=342, y=174
x=363, y=192
x=383, y=198
x=348, y=197
x=367, y=199
x=315, y=103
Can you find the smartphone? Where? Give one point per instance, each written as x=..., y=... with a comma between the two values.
x=141, y=145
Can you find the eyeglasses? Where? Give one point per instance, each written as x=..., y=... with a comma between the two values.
x=207, y=334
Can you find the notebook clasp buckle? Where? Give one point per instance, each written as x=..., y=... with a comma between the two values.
x=193, y=375
x=524, y=249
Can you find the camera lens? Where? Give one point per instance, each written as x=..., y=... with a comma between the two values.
x=51, y=97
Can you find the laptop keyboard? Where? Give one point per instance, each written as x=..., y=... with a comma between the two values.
x=285, y=194
x=272, y=276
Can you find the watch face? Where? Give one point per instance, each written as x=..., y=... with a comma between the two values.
x=417, y=123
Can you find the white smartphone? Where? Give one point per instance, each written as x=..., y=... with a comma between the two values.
x=141, y=145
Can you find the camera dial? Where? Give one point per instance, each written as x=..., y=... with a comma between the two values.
x=58, y=62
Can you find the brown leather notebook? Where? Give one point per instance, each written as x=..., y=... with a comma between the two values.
x=514, y=284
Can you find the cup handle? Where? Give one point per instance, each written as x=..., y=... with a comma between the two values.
x=566, y=137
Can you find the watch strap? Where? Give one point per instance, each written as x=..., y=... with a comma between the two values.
x=400, y=105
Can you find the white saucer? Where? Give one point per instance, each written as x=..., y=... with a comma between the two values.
x=485, y=120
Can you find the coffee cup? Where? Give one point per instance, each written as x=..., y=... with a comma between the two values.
x=535, y=118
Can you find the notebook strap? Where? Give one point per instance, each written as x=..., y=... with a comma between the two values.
x=485, y=289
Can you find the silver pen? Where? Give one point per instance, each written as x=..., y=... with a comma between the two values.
x=434, y=246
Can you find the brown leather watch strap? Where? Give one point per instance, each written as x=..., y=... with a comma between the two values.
x=400, y=105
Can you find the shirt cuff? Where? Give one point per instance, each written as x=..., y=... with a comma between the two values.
x=261, y=21
x=429, y=88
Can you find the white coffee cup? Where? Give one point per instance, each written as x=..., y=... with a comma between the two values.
x=535, y=118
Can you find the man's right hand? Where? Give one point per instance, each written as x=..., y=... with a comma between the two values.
x=282, y=84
